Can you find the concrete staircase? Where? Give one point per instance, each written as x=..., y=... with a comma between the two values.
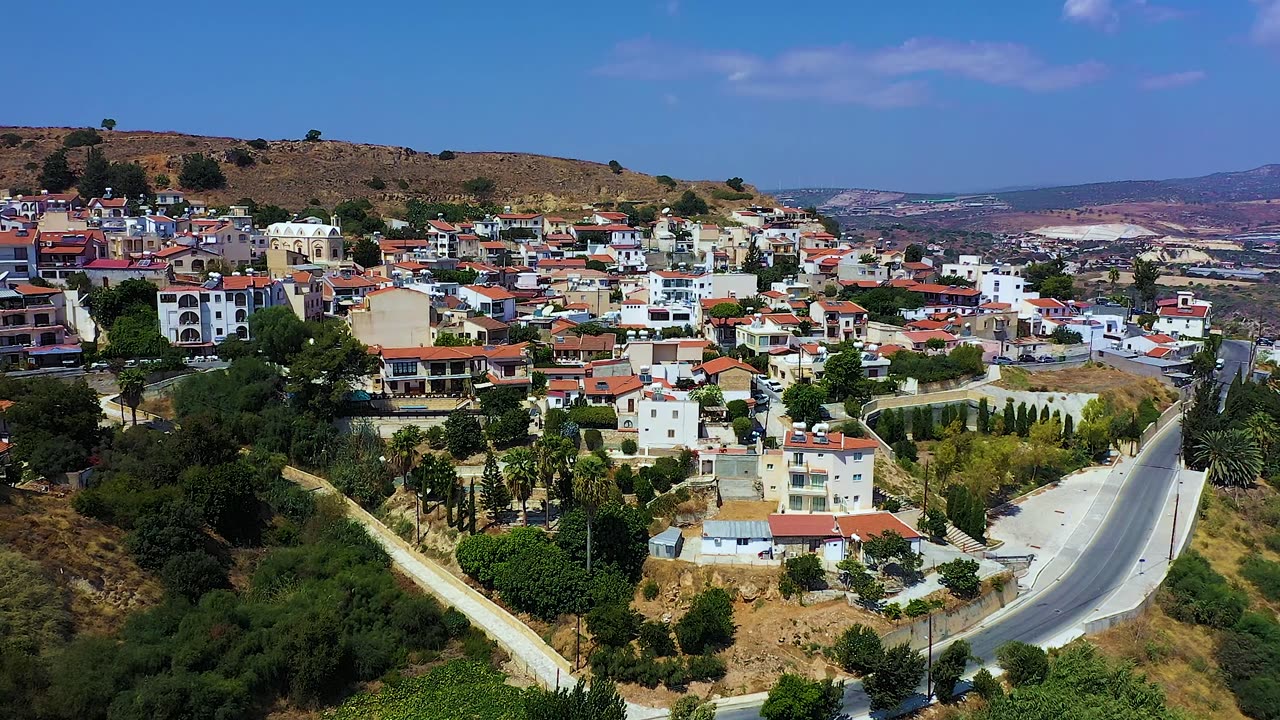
x=967, y=545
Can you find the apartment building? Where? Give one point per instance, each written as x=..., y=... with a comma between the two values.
x=824, y=471
x=197, y=317
x=33, y=329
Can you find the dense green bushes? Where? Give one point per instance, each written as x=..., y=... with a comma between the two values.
x=602, y=417
x=1194, y=592
x=708, y=624
x=964, y=361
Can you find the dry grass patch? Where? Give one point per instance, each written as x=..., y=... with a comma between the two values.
x=87, y=558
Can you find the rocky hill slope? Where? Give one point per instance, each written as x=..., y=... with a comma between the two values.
x=293, y=173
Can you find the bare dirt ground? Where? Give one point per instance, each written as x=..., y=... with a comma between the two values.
x=292, y=173
x=734, y=510
x=87, y=558
x=774, y=635
x=1126, y=389
x=1126, y=279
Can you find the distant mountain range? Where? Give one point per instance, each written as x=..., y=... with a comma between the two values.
x=1261, y=183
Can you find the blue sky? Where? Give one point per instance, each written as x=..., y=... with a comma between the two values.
x=927, y=95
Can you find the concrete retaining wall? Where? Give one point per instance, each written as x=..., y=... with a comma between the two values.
x=952, y=622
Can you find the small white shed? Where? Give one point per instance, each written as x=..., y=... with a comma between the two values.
x=736, y=537
x=666, y=544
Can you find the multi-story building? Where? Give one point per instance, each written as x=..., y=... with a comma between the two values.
x=826, y=471
x=1184, y=317
x=33, y=328
x=305, y=295
x=63, y=254
x=393, y=317
x=519, y=226
x=17, y=257
x=437, y=370
x=666, y=422
x=197, y=317
x=766, y=333
x=840, y=319
x=344, y=290
x=321, y=243
x=999, y=285
x=492, y=301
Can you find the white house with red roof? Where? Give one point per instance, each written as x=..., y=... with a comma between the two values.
x=18, y=255
x=198, y=317
x=768, y=332
x=344, y=290
x=819, y=471
x=1185, y=317
x=489, y=300
x=62, y=254
x=943, y=299
x=519, y=226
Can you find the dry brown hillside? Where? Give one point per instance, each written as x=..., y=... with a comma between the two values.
x=291, y=173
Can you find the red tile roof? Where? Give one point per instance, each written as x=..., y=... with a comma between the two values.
x=944, y=289
x=614, y=385
x=865, y=525
x=841, y=306
x=245, y=282
x=1196, y=311
x=721, y=364
x=920, y=336
x=493, y=293
x=835, y=441
x=802, y=525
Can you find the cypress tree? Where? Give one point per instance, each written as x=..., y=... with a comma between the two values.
x=494, y=495
x=1021, y=426
x=984, y=417
x=471, y=507
x=1010, y=421
x=962, y=414
x=94, y=180
x=1068, y=427
x=1044, y=414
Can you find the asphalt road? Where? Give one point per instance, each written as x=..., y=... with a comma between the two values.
x=1101, y=568
x=1234, y=355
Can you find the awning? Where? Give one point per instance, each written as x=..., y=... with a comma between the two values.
x=55, y=350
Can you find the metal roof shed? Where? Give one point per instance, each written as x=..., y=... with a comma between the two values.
x=666, y=544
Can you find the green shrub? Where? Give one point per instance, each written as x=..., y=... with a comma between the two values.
x=987, y=686
x=81, y=138
x=650, y=589
x=706, y=668
x=858, y=649
x=1264, y=574
x=708, y=624
x=629, y=446
x=1195, y=592
x=655, y=638
x=614, y=624
x=805, y=571
x=738, y=409
x=960, y=576
x=593, y=439
x=594, y=416
x=1023, y=664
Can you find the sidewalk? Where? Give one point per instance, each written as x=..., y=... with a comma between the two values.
x=528, y=650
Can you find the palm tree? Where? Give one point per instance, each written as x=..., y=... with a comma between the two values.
x=1114, y=276
x=1231, y=458
x=522, y=474
x=404, y=454
x=1264, y=430
x=555, y=456
x=132, y=382
x=592, y=488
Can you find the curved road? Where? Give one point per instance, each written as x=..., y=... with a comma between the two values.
x=1101, y=568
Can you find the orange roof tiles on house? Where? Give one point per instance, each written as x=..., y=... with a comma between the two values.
x=1196, y=311
x=1045, y=303
x=781, y=318
x=804, y=525
x=889, y=350
x=614, y=385
x=1160, y=338
x=841, y=306
x=493, y=293
x=15, y=237
x=562, y=386
x=928, y=324
x=835, y=441
x=864, y=525
x=25, y=289
x=442, y=226
x=860, y=283
x=604, y=342
x=612, y=215
x=920, y=336
x=903, y=283
x=354, y=282
x=995, y=306
x=941, y=289
x=1159, y=352
x=604, y=228
x=486, y=322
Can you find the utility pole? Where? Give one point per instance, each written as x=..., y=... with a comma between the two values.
x=925, y=510
x=928, y=683
x=1177, y=499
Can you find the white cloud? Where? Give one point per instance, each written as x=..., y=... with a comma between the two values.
x=1098, y=13
x=1173, y=80
x=1266, y=27
x=884, y=77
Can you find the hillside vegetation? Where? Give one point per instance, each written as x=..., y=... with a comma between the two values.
x=292, y=173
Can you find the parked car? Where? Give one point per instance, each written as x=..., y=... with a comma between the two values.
x=1002, y=360
x=1026, y=358
x=1046, y=359
x=98, y=367
x=1268, y=342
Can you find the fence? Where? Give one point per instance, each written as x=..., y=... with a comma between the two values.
x=952, y=622
x=536, y=658
x=1154, y=428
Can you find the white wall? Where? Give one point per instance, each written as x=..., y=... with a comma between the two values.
x=667, y=423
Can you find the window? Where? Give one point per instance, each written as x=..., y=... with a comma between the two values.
x=675, y=414
x=818, y=480
x=218, y=315
x=797, y=480
x=653, y=413
x=818, y=504
x=857, y=457
x=19, y=253
x=797, y=458
x=671, y=433
x=857, y=477
x=743, y=542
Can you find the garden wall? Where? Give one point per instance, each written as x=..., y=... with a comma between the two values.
x=952, y=622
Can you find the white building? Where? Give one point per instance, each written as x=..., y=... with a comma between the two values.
x=969, y=267
x=1185, y=317
x=321, y=243
x=666, y=422
x=200, y=316
x=748, y=538
x=827, y=472
x=495, y=302
x=1000, y=285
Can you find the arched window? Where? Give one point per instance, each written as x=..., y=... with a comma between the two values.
x=189, y=318
x=197, y=265
x=257, y=298
x=242, y=331
x=240, y=316
x=241, y=299
x=317, y=251
x=189, y=335
x=188, y=300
